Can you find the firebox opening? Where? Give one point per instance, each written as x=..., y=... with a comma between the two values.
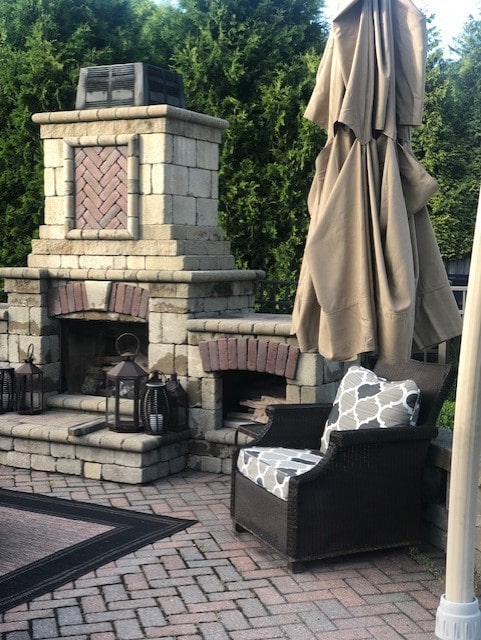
x=88, y=351
x=246, y=395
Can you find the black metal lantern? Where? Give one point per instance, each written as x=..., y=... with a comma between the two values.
x=29, y=383
x=7, y=389
x=177, y=404
x=155, y=405
x=125, y=388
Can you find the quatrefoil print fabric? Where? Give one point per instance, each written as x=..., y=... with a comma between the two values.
x=364, y=401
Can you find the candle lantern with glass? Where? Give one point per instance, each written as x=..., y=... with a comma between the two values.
x=125, y=388
x=29, y=386
x=7, y=389
x=155, y=405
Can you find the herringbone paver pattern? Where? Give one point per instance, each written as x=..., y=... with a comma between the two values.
x=101, y=187
x=209, y=583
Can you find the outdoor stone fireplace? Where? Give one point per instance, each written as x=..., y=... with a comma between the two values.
x=130, y=242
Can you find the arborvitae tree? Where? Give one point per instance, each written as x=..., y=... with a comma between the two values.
x=466, y=79
x=444, y=143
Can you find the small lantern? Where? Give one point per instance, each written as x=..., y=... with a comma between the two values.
x=7, y=389
x=29, y=383
x=177, y=404
x=155, y=406
x=125, y=388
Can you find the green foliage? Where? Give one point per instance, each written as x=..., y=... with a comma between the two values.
x=448, y=142
x=446, y=416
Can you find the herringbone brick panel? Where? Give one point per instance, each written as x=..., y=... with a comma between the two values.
x=101, y=187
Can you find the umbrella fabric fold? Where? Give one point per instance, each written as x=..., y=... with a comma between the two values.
x=372, y=278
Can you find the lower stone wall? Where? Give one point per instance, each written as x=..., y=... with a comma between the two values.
x=73, y=443
x=213, y=454
x=436, y=489
x=436, y=496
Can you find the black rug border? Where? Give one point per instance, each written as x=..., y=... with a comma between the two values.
x=130, y=531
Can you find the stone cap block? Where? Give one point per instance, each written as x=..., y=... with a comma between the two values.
x=129, y=113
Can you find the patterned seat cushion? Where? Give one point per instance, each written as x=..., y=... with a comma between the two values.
x=365, y=401
x=271, y=467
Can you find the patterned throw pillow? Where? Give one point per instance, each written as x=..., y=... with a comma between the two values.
x=365, y=401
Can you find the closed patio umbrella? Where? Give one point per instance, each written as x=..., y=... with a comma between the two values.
x=372, y=278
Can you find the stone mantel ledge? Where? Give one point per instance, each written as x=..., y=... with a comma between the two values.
x=129, y=113
x=268, y=324
x=131, y=275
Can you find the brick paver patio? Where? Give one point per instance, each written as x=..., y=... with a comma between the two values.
x=209, y=583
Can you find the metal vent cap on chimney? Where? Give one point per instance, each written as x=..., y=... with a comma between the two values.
x=128, y=85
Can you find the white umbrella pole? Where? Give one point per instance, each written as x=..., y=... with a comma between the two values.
x=458, y=616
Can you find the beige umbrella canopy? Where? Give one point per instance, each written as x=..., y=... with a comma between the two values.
x=372, y=278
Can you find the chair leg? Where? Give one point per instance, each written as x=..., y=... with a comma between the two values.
x=296, y=567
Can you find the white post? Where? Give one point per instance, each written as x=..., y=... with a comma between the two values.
x=458, y=616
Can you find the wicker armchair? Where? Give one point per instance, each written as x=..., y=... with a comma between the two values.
x=364, y=494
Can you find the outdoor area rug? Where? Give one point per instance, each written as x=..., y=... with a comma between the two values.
x=46, y=542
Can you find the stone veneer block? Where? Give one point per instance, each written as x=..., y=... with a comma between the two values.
x=310, y=368
x=156, y=147
x=96, y=295
x=170, y=179
x=207, y=211
x=207, y=155
x=53, y=153
x=185, y=151
x=184, y=210
x=161, y=357
x=71, y=467
x=42, y=463
x=200, y=183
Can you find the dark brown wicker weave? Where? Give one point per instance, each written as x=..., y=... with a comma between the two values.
x=365, y=494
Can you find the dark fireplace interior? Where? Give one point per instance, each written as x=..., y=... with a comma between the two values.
x=247, y=393
x=88, y=351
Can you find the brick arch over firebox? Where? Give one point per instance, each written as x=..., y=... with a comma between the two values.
x=249, y=354
x=114, y=297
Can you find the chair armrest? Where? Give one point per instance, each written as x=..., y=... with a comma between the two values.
x=354, y=454
x=294, y=425
x=343, y=439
